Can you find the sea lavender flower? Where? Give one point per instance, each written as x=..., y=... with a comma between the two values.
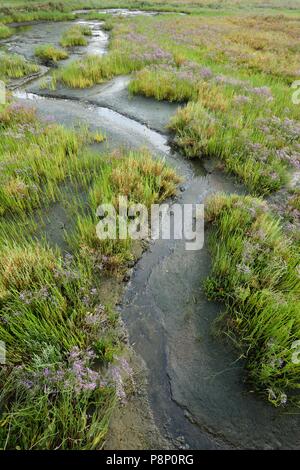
x=205, y=72
x=26, y=297
x=118, y=382
x=273, y=175
x=126, y=367
x=242, y=99
x=225, y=80
x=27, y=384
x=260, y=234
x=243, y=268
x=92, y=320
x=263, y=91
x=250, y=249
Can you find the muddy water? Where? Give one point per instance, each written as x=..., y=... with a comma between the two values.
x=197, y=387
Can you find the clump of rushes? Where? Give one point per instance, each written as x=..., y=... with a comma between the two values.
x=162, y=83
x=48, y=53
x=15, y=66
x=93, y=69
x=35, y=158
x=108, y=25
x=256, y=274
x=134, y=175
x=5, y=31
x=75, y=36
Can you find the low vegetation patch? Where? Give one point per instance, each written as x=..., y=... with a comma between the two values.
x=15, y=66
x=133, y=175
x=52, y=394
x=75, y=36
x=5, y=31
x=261, y=159
x=30, y=11
x=47, y=53
x=92, y=69
x=163, y=83
x=37, y=157
x=256, y=274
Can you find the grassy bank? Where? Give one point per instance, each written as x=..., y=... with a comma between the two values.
x=5, y=31
x=75, y=36
x=47, y=53
x=15, y=66
x=205, y=7
x=256, y=275
x=64, y=369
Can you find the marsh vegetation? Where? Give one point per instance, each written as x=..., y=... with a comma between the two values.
x=62, y=334
x=231, y=75
x=15, y=66
x=47, y=53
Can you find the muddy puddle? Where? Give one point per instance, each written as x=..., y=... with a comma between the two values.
x=196, y=383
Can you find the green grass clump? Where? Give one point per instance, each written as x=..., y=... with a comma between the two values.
x=162, y=83
x=92, y=70
x=56, y=418
x=15, y=66
x=5, y=31
x=47, y=52
x=37, y=157
x=134, y=175
x=255, y=274
x=75, y=36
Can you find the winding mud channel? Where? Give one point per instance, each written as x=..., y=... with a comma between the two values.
x=196, y=383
